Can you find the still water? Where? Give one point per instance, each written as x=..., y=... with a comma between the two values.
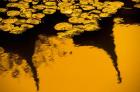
x=87, y=69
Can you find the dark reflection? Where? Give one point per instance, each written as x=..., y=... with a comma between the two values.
x=103, y=39
x=128, y=3
x=130, y=16
x=24, y=44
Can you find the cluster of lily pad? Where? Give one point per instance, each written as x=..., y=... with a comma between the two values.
x=24, y=14
x=83, y=15
x=137, y=3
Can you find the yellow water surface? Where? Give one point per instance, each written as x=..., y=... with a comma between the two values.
x=87, y=69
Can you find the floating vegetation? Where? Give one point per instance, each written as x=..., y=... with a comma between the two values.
x=24, y=14
x=81, y=17
x=137, y=3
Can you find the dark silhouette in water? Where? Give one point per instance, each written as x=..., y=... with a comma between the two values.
x=102, y=39
x=24, y=44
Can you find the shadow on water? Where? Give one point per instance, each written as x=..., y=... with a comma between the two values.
x=24, y=44
x=103, y=39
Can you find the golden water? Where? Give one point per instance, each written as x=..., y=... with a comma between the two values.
x=87, y=69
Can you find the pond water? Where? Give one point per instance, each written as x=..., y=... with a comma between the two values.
x=90, y=62
x=88, y=68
